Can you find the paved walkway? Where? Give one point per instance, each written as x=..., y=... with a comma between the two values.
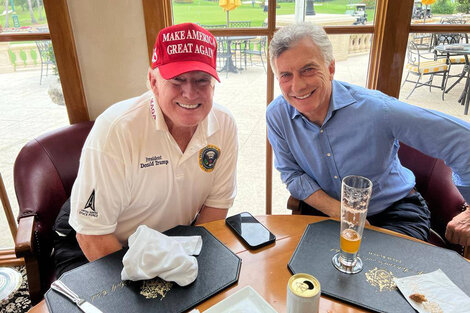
x=26, y=111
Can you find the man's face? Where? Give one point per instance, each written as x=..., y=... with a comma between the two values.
x=305, y=79
x=186, y=99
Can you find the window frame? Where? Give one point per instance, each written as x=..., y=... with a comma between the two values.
x=390, y=31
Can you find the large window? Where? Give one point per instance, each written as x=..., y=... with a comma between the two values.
x=249, y=85
x=32, y=100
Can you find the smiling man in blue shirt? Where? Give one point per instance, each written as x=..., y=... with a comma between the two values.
x=322, y=130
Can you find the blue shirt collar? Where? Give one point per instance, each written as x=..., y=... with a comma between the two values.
x=340, y=98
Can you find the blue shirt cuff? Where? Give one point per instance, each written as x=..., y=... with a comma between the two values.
x=302, y=187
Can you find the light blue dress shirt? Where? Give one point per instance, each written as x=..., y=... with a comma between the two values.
x=360, y=136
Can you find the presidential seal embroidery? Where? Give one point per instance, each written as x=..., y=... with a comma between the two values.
x=208, y=157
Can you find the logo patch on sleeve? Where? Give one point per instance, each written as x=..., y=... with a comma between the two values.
x=208, y=157
x=89, y=209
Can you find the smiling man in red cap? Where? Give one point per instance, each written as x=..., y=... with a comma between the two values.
x=163, y=159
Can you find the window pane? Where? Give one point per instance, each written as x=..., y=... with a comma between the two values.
x=325, y=12
x=440, y=12
x=26, y=106
x=422, y=57
x=22, y=18
x=244, y=94
x=209, y=13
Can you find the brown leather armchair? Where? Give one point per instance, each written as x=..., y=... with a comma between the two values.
x=434, y=182
x=44, y=173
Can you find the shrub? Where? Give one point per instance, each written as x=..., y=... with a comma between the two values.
x=462, y=6
x=442, y=7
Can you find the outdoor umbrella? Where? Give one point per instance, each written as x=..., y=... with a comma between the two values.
x=229, y=5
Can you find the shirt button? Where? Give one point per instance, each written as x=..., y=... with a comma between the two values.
x=321, y=131
x=328, y=154
x=336, y=177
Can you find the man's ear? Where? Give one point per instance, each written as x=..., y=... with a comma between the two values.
x=331, y=69
x=153, y=81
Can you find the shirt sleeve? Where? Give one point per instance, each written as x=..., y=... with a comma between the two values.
x=99, y=192
x=433, y=133
x=299, y=184
x=224, y=188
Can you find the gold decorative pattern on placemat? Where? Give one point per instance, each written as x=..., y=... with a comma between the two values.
x=381, y=279
x=153, y=288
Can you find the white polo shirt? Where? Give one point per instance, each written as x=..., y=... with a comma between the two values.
x=132, y=172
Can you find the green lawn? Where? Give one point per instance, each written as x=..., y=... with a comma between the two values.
x=208, y=12
x=23, y=16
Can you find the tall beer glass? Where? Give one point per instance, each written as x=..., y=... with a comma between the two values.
x=355, y=196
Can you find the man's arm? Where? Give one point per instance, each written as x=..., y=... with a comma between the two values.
x=458, y=229
x=209, y=214
x=321, y=201
x=97, y=246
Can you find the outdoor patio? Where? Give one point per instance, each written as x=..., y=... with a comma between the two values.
x=27, y=111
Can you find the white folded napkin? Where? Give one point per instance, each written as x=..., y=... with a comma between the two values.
x=433, y=292
x=153, y=254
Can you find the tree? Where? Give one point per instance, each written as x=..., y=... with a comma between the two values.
x=33, y=19
x=6, y=14
x=463, y=6
x=38, y=4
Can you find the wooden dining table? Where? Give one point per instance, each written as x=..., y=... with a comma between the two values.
x=265, y=269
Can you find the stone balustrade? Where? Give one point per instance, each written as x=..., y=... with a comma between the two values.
x=344, y=45
x=18, y=57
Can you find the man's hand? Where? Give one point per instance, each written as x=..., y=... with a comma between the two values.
x=458, y=229
x=97, y=246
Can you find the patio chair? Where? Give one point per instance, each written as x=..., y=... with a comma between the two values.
x=434, y=182
x=224, y=55
x=239, y=46
x=420, y=66
x=454, y=58
x=44, y=172
x=44, y=48
x=257, y=48
x=423, y=41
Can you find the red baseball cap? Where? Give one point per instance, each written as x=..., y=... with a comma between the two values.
x=184, y=48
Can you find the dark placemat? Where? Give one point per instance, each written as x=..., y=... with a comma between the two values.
x=384, y=257
x=19, y=301
x=100, y=282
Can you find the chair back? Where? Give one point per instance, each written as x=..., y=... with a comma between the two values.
x=44, y=173
x=434, y=182
x=239, y=24
x=413, y=54
x=44, y=47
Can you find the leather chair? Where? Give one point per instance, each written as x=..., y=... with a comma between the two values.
x=434, y=182
x=44, y=172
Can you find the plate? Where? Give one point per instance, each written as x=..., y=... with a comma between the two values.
x=10, y=281
x=246, y=300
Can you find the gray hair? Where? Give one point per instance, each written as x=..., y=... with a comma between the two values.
x=289, y=35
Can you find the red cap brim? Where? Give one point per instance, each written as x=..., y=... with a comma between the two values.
x=170, y=70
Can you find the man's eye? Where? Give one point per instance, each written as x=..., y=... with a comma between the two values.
x=308, y=70
x=284, y=77
x=202, y=81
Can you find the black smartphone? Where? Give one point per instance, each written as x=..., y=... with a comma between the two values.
x=250, y=230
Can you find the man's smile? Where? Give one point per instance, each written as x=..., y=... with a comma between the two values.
x=188, y=106
x=304, y=96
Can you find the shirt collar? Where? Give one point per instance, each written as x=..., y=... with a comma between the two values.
x=340, y=98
